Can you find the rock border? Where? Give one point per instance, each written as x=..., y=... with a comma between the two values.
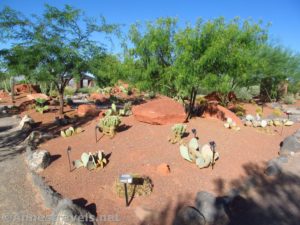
x=64, y=211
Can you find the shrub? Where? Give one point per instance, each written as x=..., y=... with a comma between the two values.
x=277, y=112
x=88, y=90
x=69, y=91
x=289, y=99
x=243, y=94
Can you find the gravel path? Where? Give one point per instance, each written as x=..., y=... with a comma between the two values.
x=18, y=201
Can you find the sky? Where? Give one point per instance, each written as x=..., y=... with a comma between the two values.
x=284, y=15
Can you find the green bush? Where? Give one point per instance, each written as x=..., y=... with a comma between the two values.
x=69, y=91
x=88, y=90
x=243, y=94
x=246, y=94
x=289, y=99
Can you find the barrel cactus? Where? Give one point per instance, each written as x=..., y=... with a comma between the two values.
x=177, y=132
x=109, y=124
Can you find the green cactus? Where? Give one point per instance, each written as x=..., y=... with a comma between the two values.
x=177, y=132
x=126, y=111
x=109, y=124
x=70, y=132
x=202, y=158
x=91, y=161
x=40, y=105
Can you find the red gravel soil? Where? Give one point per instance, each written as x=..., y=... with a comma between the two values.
x=139, y=148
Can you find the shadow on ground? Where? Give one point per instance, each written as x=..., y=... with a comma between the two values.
x=262, y=200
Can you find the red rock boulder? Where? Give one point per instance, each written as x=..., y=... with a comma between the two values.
x=3, y=94
x=27, y=88
x=163, y=169
x=162, y=110
x=37, y=95
x=99, y=97
x=219, y=112
x=87, y=110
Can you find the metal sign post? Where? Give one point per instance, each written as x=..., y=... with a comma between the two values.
x=68, y=153
x=194, y=131
x=213, y=148
x=96, y=128
x=126, y=179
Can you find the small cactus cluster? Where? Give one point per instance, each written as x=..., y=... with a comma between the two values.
x=250, y=121
x=203, y=158
x=230, y=124
x=177, y=132
x=109, y=124
x=91, y=161
x=125, y=111
x=70, y=132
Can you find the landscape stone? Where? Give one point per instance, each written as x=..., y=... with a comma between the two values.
x=211, y=208
x=99, y=97
x=189, y=216
x=37, y=95
x=291, y=144
x=67, y=213
x=163, y=169
x=162, y=110
x=86, y=110
x=38, y=160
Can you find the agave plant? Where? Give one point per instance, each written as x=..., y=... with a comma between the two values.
x=70, y=132
x=177, y=132
x=91, y=161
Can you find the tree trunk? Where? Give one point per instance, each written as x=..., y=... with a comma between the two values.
x=61, y=103
x=192, y=104
x=12, y=91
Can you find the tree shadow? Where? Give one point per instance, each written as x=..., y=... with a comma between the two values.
x=254, y=199
x=92, y=208
x=55, y=127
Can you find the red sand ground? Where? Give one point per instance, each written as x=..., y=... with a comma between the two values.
x=140, y=149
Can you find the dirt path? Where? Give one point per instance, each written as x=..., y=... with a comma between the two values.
x=18, y=203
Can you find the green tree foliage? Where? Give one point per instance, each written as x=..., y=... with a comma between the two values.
x=58, y=44
x=152, y=55
x=276, y=65
x=106, y=68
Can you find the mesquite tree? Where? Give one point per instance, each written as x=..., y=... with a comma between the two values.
x=59, y=42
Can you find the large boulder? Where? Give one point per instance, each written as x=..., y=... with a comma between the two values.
x=219, y=112
x=3, y=94
x=211, y=208
x=38, y=160
x=162, y=110
x=99, y=97
x=87, y=110
x=290, y=144
x=37, y=96
x=67, y=213
x=27, y=88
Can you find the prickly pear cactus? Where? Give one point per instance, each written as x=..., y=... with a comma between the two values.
x=177, y=132
x=70, y=132
x=91, y=161
x=202, y=158
x=109, y=124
